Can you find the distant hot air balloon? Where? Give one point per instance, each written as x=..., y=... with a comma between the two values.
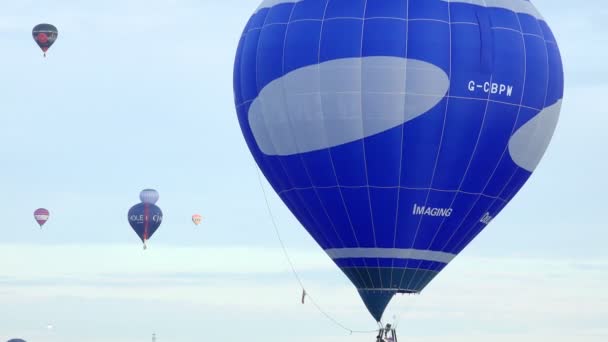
x=145, y=218
x=16, y=340
x=41, y=215
x=196, y=218
x=149, y=196
x=396, y=130
x=45, y=35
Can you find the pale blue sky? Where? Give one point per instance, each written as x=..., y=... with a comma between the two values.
x=138, y=93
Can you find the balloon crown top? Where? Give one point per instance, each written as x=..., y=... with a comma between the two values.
x=149, y=196
x=45, y=26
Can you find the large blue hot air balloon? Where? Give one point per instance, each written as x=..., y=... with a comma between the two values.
x=396, y=130
x=145, y=218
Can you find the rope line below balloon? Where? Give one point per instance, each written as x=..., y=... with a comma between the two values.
x=305, y=294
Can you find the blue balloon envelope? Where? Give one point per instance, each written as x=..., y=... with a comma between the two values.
x=395, y=131
x=145, y=218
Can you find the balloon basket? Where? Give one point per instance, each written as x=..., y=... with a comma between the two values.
x=387, y=334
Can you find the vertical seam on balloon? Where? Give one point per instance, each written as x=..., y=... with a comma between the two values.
x=295, y=140
x=287, y=116
x=467, y=169
x=304, y=166
x=321, y=204
x=407, y=32
x=361, y=277
x=306, y=205
x=445, y=114
x=278, y=158
x=449, y=8
x=471, y=158
x=463, y=240
x=491, y=177
x=259, y=89
x=514, y=191
x=467, y=215
x=329, y=148
x=458, y=191
x=242, y=60
x=267, y=163
x=361, y=95
x=313, y=218
x=518, y=168
x=261, y=99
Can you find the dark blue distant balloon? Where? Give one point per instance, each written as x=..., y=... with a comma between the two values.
x=145, y=219
x=16, y=340
x=395, y=131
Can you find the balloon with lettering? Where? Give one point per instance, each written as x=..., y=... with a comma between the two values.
x=41, y=215
x=197, y=219
x=149, y=196
x=45, y=35
x=396, y=130
x=145, y=218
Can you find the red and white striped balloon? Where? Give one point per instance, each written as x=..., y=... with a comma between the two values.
x=197, y=219
x=41, y=215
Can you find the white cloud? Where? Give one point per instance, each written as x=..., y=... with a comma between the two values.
x=472, y=300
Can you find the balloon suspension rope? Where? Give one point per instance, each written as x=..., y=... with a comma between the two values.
x=295, y=273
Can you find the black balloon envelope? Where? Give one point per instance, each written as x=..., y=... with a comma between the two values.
x=45, y=35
